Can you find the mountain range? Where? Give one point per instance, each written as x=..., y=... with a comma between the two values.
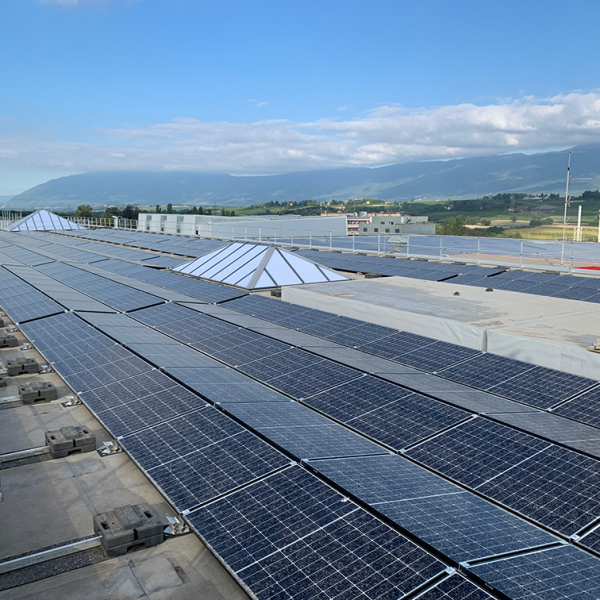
x=432, y=180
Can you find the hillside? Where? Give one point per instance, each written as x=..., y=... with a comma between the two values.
x=466, y=178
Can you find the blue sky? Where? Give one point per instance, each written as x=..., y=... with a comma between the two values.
x=266, y=87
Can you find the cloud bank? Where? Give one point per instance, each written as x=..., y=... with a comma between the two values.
x=386, y=135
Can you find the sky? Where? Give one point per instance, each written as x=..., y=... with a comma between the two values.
x=265, y=87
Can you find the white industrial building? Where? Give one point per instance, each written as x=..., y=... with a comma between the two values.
x=259, y=227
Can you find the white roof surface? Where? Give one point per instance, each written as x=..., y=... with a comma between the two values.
x=255, y=266
x=43, y=220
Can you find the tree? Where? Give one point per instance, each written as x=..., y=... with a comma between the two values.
x=548, y=221
x=158, y=209
x=169, y=209
x=84, y=210
x=110, y=212
x=130, y=212
x=513, y=218
x=200, y=210
x=535, y=223
x=486, y=222
x=452, y=226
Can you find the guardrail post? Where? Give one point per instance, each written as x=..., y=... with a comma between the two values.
x=478, y=250
x=571, y=267
x=330, y=241
x=407, y=246
x=441, y=247
x=521, y=254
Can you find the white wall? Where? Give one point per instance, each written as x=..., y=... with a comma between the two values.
x=241, y=227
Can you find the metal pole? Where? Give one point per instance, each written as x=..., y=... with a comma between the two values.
x=441, y=247
x=478, y=249
x=355, y=237
x=260, y=234
x=571, y=268
x=567, y=195
x=330, y=241
x=407, y=246
x=562, y=252
x=521, y=254
x=310, y=239
x=378, y=243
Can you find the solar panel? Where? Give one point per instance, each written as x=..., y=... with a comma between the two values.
x=542, y=387
x=585, y=408
x=224, y=385
x=139, y=402
x=200, y=456
x=563, y=573
x=240, y=346
x=86, y=372
x=463, y=526
x=174, y=356
x=486, y=371
x=407, y=421
x=138, y=335
x=301, y=431
x=476, y=451
x=437, y=356
x=557, y=487
x=592, y=540
x=394, y=346
x=298, y=373
x=388, y=413
x=455, y=587
x=291, y=536
x=163, y=313
x=354, y=398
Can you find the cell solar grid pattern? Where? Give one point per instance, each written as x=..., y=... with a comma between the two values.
x=407, y=421
x=300, y=431
x=22, y=302
x=455, y=522
x=455, y=587
x=116, y=295
x=464, y=527
x=558, y=488
x=476, y=451
x=357, y=397
x=96, y=369
x=386, y=412
x=200, y=456
x=255, y=522
x=486, y=371
x=591, y=540
x=240, y=346
x=223, y=386
x=542, y=387
x=299, y=373
x=584, y=408
x=139, y=402
x=201, y=290
x=437, y=356
x=394, y=346
x=563, y=573
x=308, y=542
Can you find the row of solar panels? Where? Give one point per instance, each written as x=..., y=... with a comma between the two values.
x=541, y=284
x=472, y=525
x=282, y=531
x=184, y=246
x=150, y=341
x=533, y=385
x=387, y=413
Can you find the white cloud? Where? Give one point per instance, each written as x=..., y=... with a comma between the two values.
x=388, y=134
x=344, y=107
x=261, y=104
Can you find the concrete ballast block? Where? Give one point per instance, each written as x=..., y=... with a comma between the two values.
x=22, y=366
x=70, y=440
x=37, y=391
x=128, y=527
x=8, y=341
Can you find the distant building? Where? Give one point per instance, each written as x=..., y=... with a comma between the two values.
x=546, y=210
x=252, y=227
x=363, y=223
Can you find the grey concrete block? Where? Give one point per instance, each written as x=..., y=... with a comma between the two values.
x=37, y=391
x=128, y=527
x=8, y=341
x=70, y=440
x=22, y=366
x=2, y=382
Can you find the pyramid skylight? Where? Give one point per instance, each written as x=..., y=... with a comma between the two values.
x=43, y=220
x=255, y=266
